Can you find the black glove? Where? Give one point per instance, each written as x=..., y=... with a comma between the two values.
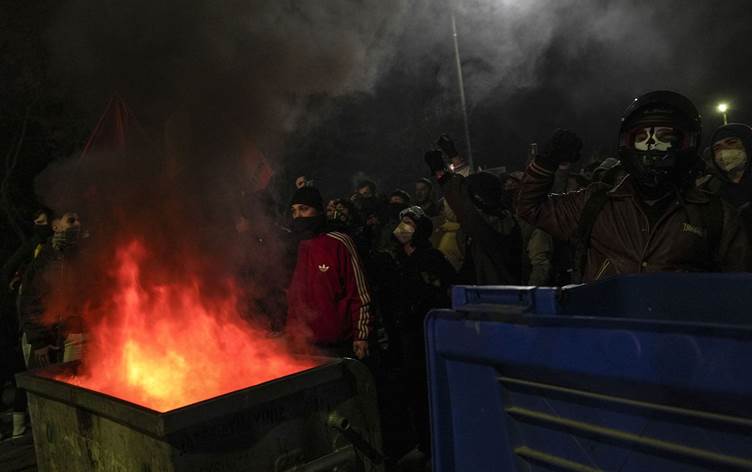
x=435, y=161
x=446, y=144
x=563, y=146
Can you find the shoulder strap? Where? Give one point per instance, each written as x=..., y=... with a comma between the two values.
x=590, y=212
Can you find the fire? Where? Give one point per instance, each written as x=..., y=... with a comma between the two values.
x=169, y=345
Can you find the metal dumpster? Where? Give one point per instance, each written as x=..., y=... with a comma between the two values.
x=642, y=373
x=320, y=419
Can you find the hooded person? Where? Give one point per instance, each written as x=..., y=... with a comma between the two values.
x=398, y=201
x=537, y=245
x=329, y=303
x=425, y=277
x=493, y=242
x=653, y=219
x=731, y=151
x=425, y=198
x=55, y=337
x=11, y=357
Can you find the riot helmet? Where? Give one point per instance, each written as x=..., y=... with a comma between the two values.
x=659, y=140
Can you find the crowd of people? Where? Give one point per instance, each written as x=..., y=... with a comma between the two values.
x=662, y=204
x=369, y=266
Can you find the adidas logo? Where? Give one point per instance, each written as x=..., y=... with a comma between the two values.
x=323, y=267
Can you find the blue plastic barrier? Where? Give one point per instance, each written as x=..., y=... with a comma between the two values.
x=641, y=373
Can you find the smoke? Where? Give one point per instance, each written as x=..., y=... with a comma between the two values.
x=532, y=66
x=539, y=64
x=248, y=63
x=206, y=94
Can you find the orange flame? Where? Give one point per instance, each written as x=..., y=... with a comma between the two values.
x=168, y=346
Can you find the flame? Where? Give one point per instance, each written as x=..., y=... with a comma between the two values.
x=168, y=345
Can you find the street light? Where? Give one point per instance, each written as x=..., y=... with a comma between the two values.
x=722, y=109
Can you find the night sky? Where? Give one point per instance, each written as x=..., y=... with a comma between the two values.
x=529, y=70
x=345, y=89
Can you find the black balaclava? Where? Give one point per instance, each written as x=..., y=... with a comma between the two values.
x=486, y=192
x=396, y=208
x=42, y=232
x=308, y=227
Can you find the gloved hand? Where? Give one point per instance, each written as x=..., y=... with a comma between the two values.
x=563, y=146
x=435, y=161
x=446, y=144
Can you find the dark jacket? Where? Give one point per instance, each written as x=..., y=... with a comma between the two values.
x=431, y=208
x=622, y=240
x=494, y=244
x=738, y=194
x=537, y=256
x=47, y=274
x=425, y=278
x=17, y=262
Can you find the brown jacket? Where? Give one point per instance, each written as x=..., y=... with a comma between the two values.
x=622, y=241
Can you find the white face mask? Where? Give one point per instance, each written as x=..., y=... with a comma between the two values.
x=404, y=233
x=658, y=138
x=731, y=159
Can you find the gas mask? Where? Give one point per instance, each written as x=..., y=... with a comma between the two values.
x=404, y=233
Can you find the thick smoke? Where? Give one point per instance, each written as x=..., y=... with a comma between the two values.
x=212, y=90
x=531, y=66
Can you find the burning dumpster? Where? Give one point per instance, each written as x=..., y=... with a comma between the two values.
x=319, y=419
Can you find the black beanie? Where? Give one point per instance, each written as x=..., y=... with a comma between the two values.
x=308, y=196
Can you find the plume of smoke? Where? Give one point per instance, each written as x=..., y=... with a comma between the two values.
x=530, y=66
x=212, y=84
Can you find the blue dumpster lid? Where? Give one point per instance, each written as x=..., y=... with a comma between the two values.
x=693, y=298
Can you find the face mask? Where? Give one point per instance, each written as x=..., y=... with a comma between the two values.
x=65, y=239
x=42, y=232
x=404, y=233
x=731, y=159
x=658, y=138
x=340, y=217
x=396, y=208
x=308, y=226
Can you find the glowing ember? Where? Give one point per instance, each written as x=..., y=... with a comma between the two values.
x=168, y=345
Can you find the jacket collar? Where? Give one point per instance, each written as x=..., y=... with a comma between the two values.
x=625, y=189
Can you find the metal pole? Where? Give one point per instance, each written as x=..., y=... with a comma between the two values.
x=725, y=118
x=463, y=102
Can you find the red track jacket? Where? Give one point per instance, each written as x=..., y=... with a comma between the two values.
x=329, y=293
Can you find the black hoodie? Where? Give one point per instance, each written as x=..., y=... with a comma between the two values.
x=738, y=194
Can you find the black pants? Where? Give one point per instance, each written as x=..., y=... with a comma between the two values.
x=416, y=376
